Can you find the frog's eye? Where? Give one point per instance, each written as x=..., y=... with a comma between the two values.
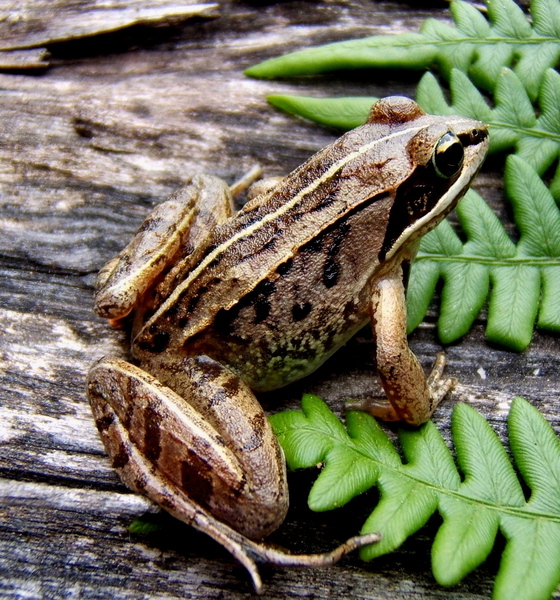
x=448, y=155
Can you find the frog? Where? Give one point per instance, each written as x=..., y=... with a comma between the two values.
x=225, y=304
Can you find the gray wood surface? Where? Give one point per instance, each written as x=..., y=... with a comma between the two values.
x=117, y=121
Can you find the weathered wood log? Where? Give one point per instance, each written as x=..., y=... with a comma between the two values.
x=87, y=147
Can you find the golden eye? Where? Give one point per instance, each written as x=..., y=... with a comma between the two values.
x=448, y=155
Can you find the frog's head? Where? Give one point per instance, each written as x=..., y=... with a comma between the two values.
x=437, y=158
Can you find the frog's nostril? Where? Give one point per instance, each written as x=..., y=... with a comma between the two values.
x=478, y=135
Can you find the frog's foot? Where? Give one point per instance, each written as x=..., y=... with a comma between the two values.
x=248, y=552
x=378, y=407
x=256, y=552
x=439, y=387
x=434, y=391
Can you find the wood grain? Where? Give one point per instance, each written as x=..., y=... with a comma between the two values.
x=87, y=146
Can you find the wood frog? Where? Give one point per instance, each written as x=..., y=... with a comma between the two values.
x=225, y=304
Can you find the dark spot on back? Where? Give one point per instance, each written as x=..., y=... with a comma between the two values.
x=265, y=288
x=284, y=267
x=224, y=319
x=313, y=246
x=330, y=273
x=337, y=238
x=262, y=310
x=269, y=245
x=259, y=299
x=300, y=311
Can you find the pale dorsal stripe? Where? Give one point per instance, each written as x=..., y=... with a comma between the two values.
x=409, y=131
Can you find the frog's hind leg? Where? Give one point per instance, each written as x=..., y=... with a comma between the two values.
x=166, y=449
x=155, y=441
x=169, y=233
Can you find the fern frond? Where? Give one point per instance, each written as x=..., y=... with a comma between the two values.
x=488, y=499
x=477, y=46
x=521, y=282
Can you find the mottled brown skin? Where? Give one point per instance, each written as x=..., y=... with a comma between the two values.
x=223, y=304
x=275, y=304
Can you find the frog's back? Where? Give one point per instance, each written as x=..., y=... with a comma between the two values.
x=305, y=308
x=282, y=284
x=290, y=267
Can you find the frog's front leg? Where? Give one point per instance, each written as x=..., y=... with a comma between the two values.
x=207, y=458
x=170, y=232
x=413, y=397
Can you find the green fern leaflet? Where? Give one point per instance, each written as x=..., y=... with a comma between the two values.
x=488, y=499
x=522, y=282
x=340, y=113
x=475, y=46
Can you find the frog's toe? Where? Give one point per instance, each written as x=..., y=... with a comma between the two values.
x=377, y=407
x=439, y=387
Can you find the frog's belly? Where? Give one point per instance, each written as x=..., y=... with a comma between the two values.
x=269, y=360
x=286, y=328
